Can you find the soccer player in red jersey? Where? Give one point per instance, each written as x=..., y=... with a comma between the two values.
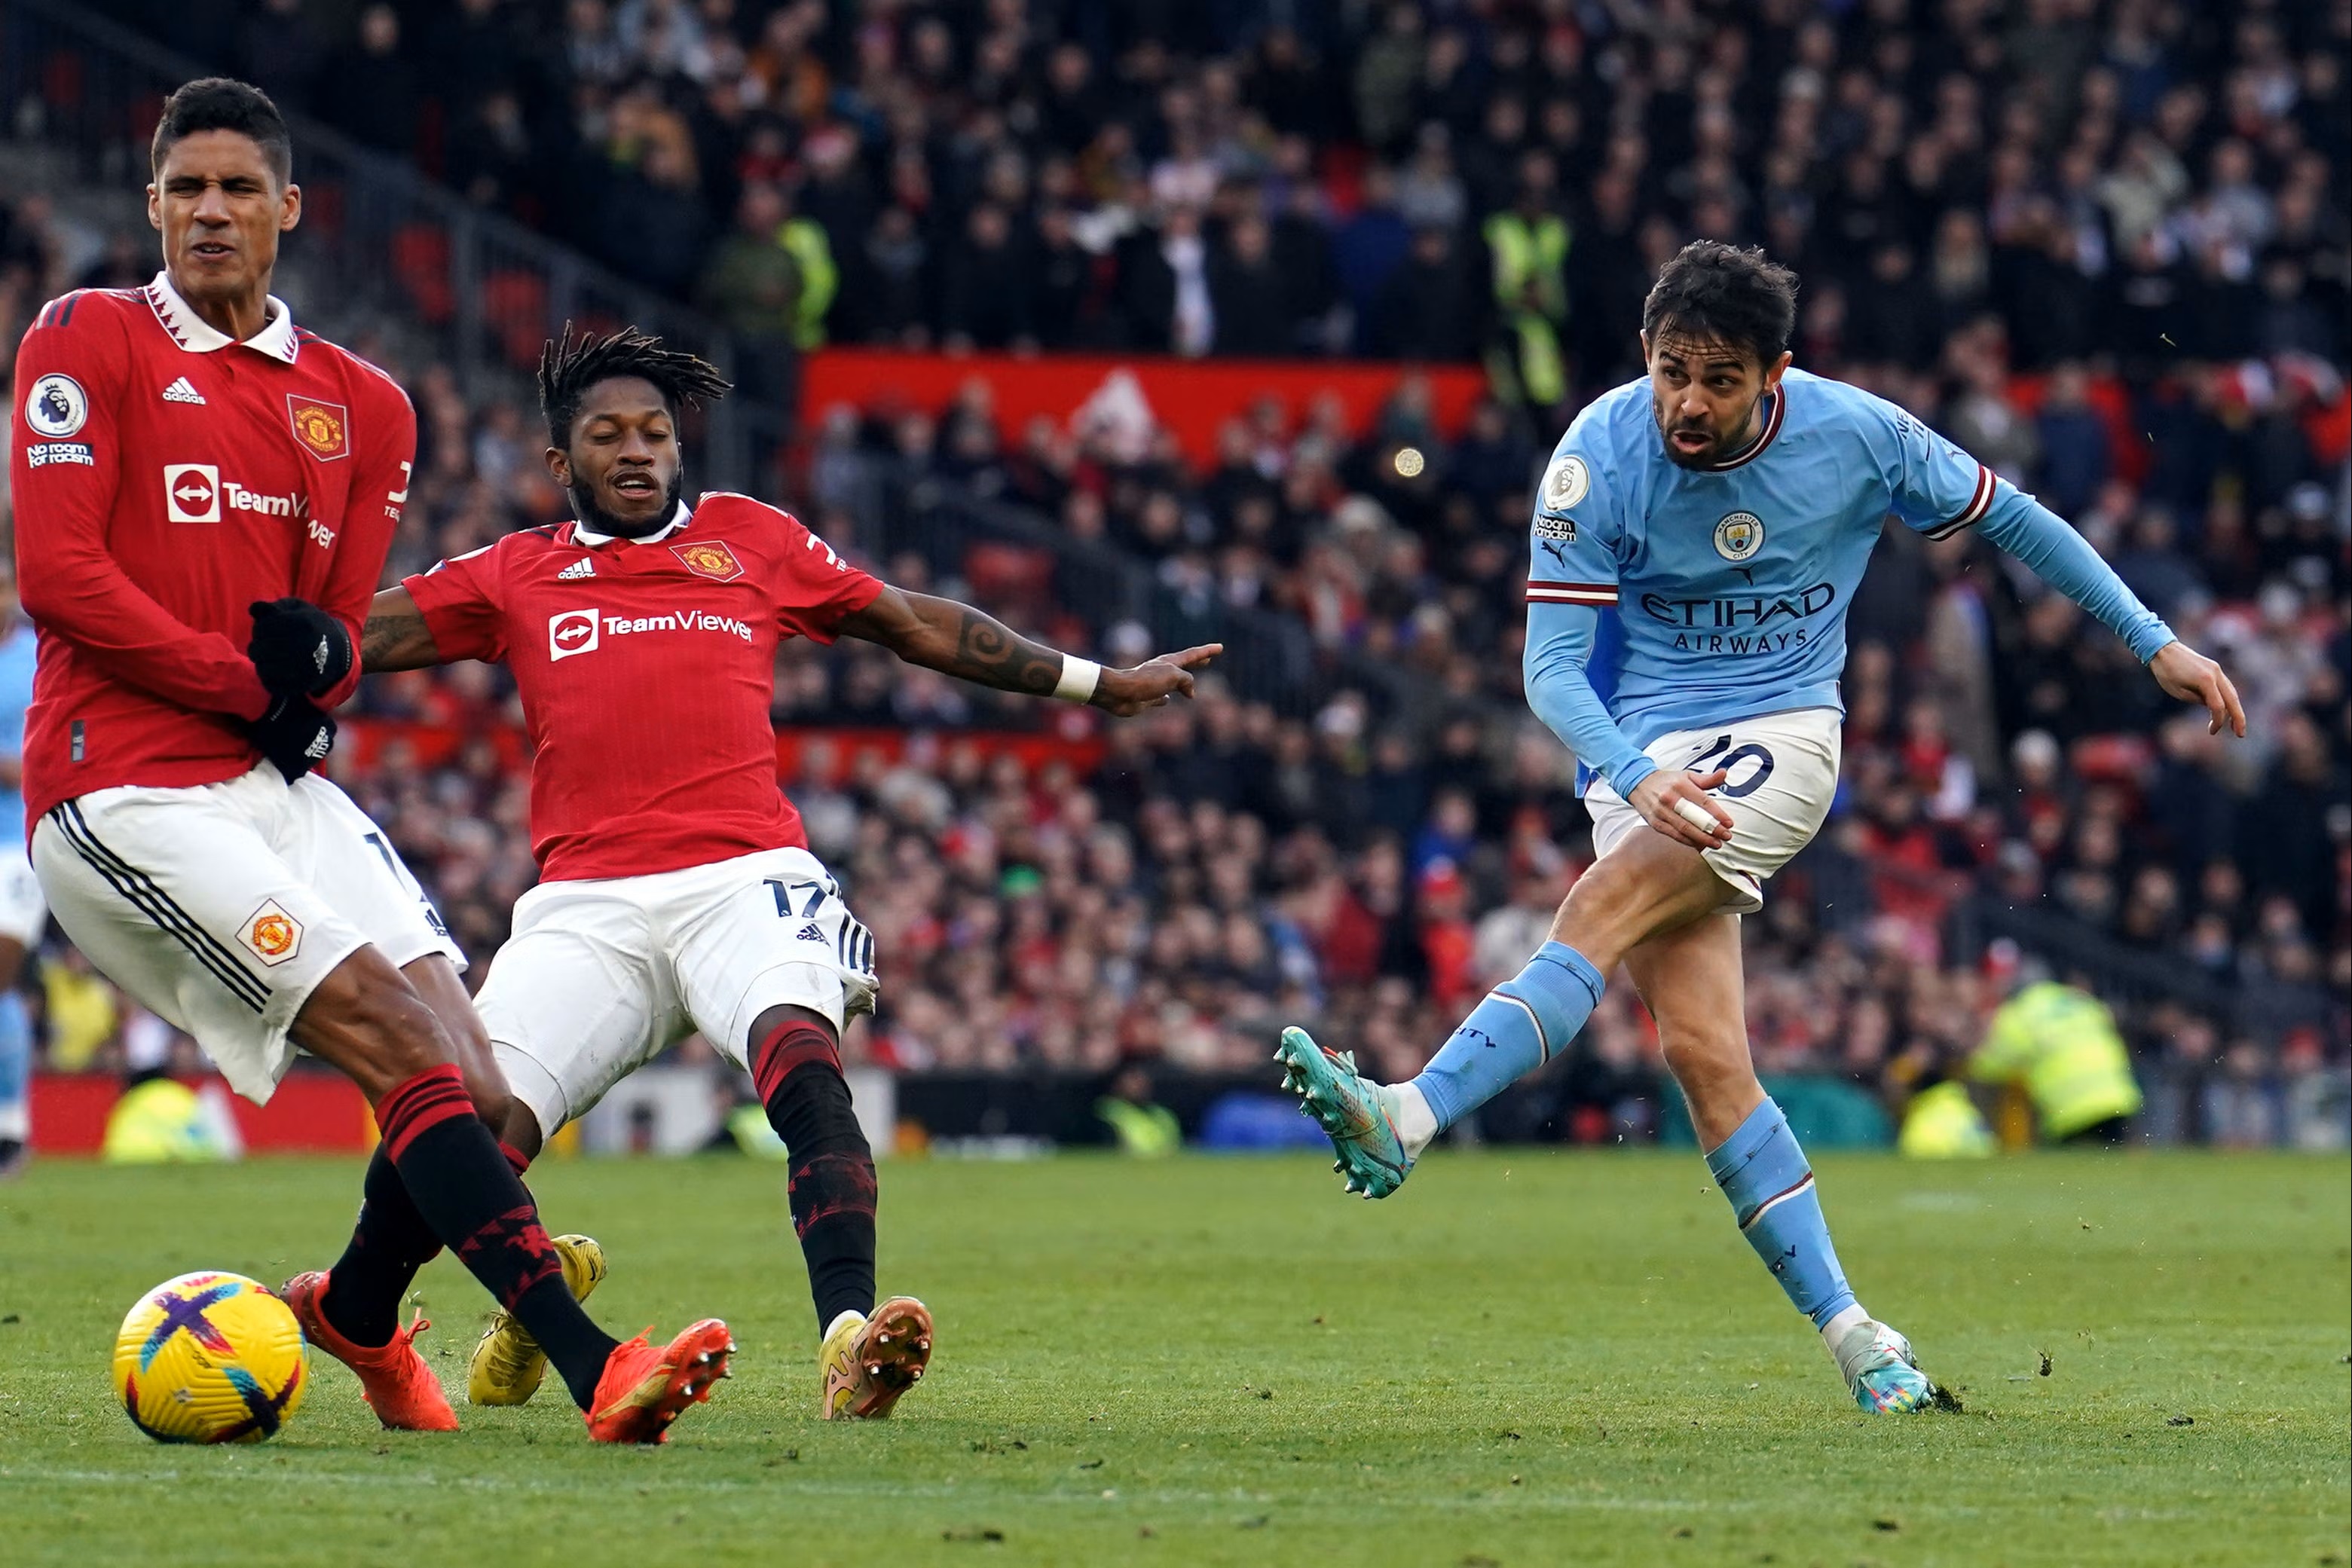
x=205, y=495
x=678, y=893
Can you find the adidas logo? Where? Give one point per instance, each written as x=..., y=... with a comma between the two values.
x=583, y=566
x=181, y=391
x=812, y=931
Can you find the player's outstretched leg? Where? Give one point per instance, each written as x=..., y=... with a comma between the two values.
x=365, y=1018
x=1379, y=1131
x=870, y=1356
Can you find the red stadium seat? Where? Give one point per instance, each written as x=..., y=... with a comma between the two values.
x=420, y=259
x=515, y=302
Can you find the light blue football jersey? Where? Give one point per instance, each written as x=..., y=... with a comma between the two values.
x=18, y=653
x=1731, y=585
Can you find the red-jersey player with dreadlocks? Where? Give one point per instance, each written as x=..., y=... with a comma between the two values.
x=204, y=496
x=678, y=893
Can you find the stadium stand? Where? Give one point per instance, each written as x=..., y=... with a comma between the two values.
x=2105, y=246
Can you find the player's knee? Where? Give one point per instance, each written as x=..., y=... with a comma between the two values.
x=1632, y=893
x=518, y=1128
x=1601, y=913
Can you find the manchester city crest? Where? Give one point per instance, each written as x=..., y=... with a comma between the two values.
x=1740, y=536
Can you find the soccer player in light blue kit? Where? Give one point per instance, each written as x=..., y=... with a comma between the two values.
x=23, y=911
x=1725, y=509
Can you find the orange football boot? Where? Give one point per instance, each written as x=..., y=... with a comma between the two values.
x=644, y=1388
x=393, y=1377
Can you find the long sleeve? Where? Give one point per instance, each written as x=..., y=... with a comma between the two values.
x=65, y=465
x=1559, y=647
x=370, y=516
x=1938, y=490
x=2065, y=560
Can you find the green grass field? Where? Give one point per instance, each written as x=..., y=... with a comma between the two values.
x=1523, y=1358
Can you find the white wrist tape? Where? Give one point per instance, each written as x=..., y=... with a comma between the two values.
x=1079, y=678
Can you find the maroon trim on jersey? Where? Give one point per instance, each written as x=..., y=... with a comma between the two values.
x=1780, y=397
x=1541, y=591
x=1979, y=503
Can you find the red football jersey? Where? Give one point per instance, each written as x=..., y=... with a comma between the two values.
x=646, y=669
x=165, y=477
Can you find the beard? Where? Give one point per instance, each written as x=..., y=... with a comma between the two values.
x=596, y=519
x=1719, y=446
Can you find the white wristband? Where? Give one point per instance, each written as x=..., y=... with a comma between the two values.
x=1079, y=678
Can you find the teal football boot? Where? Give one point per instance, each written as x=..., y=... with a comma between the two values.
x=1878, y=1366
x=1359, y=1114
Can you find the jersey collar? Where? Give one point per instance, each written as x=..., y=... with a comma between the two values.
x=1780, y=397
x=581, y=534
x=198, y=336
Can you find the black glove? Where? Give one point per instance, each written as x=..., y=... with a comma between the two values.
x=298, y=649
x=294, y=735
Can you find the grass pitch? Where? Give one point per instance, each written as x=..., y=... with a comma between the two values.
x=1523, y=1358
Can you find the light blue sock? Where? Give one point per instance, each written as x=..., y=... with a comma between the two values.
x=1521, y=1025
x=1764, y=1174
x=16, y=1067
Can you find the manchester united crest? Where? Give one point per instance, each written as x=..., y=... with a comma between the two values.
x=272, y=934
x=323, y=427
x=710, y=559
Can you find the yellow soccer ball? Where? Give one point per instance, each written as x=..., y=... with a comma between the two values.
x=210, y=1358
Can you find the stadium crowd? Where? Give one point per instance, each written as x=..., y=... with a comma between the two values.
x=1441, y=180
x=2103, y=246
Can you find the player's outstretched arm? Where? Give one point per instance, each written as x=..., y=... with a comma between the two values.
x=2064, y=560
x=395, y=636
x=1940, y=490
x=957, y=640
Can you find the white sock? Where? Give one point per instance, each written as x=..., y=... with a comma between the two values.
x=1840, y=1322
x=837, y=1317
x=1416, y=1123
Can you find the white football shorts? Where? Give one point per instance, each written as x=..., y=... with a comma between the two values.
x=23, y=910
x=1783, y=771
x=219, y=907
x=603, y=976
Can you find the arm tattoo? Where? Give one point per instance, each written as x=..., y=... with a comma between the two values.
x=990, y=654
x=396, y=640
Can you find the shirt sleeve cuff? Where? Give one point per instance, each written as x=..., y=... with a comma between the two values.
x=1624, y=775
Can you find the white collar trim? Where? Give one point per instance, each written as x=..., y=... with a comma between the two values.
x=198, y=336
x=583, y=534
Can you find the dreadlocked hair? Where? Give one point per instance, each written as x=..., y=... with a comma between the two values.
x=571, y=364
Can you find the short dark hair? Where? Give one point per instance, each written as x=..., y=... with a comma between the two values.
x=574, y=362
x=1725, y=294
x=222, y=103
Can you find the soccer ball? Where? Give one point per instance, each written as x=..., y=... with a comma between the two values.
x=209, y=1358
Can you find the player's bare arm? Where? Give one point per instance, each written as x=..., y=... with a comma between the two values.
x=957, y=640
x=395, y=636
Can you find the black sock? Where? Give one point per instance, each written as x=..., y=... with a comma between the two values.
x=388, y=1245
x=798, y=1071
x=469, y=1193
